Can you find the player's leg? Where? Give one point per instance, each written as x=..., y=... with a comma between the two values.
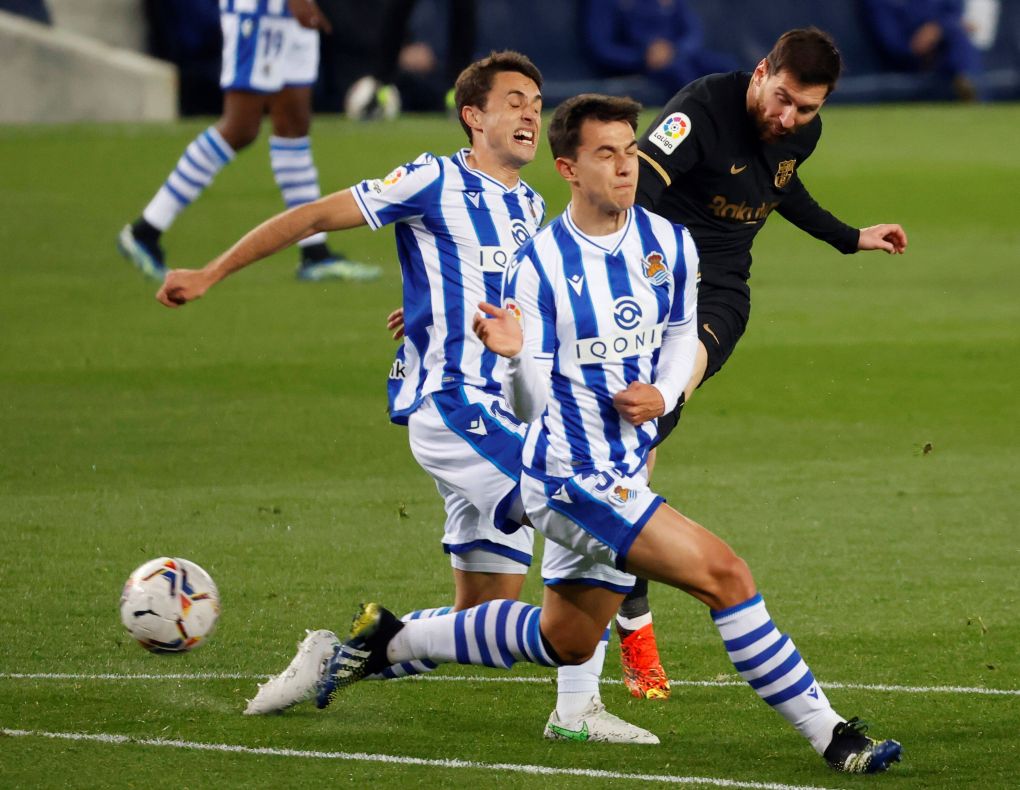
x=722, y=317
x=677, y=551
x=248, y=73
x=577, y=586
x=290, y=152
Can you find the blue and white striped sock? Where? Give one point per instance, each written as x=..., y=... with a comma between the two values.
x=296, y=175
x=495, y=634
x=770, y=663
x=408, y=668
x=204, y=157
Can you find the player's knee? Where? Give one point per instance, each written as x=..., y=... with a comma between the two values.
x=239, y=134
x=732, y=580
x=569, y=649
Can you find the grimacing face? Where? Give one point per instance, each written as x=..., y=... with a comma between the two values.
x=512, y=118
x=605, y=168
x=780, y=105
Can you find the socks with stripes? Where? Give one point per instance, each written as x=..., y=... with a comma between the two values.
x=770, y=663
x=495, y=634
x=296, y=175
x=204, y=157
x=577, y=685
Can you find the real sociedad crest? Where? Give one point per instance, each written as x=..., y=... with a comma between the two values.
x=655, y=270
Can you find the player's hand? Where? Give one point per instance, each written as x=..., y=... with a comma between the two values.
x=499, y=329
x=182, y=286
x=639, y=403
x=890, y=238
x=395, y=322
x=308, y=14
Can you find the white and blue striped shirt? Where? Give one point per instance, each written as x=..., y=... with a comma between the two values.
x=594, y=319
x=457, y=229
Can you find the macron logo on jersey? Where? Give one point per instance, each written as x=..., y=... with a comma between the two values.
x=672, y=131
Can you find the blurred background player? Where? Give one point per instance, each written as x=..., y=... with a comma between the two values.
x=270, y=63
x=927, y=35
x=411, y=75
x=663, y=39
x=721, y=157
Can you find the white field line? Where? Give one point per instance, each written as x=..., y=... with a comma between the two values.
x=503, y=679
x=519, y=768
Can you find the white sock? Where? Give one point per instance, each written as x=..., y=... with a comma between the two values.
x=204, y=157
x=577, y=686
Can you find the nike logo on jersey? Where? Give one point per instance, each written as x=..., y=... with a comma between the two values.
x=708, y=329
x=577, y=283
x=477, y=427
x=734, y=170
x=474, y=197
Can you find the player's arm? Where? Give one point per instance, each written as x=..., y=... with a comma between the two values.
x=338, y=211
x=641, y=402
x=308, y=14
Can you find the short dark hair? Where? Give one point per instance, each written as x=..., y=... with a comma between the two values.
x=475, y=82
x=809, y=55
x=565, y=126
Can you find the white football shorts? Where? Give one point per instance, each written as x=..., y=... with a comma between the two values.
x=590, y=522
x=265, y=53
x=470, y=444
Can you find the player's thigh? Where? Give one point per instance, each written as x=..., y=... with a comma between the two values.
x=675, y=550
x=475, y=462
x=474, y=587
x=290, y=111
x=722, y=319
x=574, y=618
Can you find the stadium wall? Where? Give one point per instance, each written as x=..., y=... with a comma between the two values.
x=52, y=75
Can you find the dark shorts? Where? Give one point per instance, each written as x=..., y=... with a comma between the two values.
x=722, y=319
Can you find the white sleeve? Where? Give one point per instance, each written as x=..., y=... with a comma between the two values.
x=407, y=191
x=680, y=340
x=527, y=385
x=528, y=295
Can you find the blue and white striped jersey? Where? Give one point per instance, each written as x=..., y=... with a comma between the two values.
x=457, y=229
x=596, y=318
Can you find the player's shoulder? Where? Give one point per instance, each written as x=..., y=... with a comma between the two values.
x=711, y=98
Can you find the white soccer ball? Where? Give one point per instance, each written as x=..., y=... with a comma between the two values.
x=369, y=100
x=169, y=605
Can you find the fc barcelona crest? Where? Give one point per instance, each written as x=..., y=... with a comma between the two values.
x=784, y=173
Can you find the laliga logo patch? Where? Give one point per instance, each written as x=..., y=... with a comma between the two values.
x=511, y=307
x=621, y=496
x=671, y=132
x=380, y=185
x=655, y=270
x=626, y=312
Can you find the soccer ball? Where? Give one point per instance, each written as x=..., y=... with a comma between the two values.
x=169, y=605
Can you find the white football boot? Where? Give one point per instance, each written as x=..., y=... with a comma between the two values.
x=596, y=724
x=298, y=681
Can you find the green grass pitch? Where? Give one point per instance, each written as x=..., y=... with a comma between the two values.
x=860, y=450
